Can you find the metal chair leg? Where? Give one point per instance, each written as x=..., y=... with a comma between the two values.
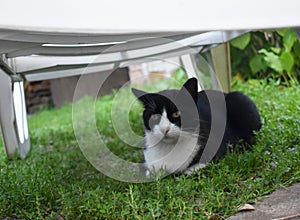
x=222, y=65
x=189, y=64
x=13, y=116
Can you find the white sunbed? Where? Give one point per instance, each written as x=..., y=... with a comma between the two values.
x=50, y=39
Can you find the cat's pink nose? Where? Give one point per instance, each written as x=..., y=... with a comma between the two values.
x=165, y=131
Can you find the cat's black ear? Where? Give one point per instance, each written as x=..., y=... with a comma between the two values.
x=191, y=85
x=141, y=95
x=138, y=93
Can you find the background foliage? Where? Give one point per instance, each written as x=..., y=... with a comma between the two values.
x=274, y=55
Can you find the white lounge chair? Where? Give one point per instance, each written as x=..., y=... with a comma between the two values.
x=45, y=40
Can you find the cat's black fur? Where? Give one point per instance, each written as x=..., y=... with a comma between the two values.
x=242, y=115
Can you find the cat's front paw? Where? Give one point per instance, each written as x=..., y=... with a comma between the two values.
x=191, y=170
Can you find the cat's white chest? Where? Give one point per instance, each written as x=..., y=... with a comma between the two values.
x=173, y=157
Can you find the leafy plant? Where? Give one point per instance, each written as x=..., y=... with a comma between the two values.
x=272, y=55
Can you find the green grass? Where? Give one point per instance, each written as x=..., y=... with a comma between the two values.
x=56, y=180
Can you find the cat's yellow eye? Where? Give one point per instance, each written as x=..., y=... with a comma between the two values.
x=155, y=117
x=176, y=114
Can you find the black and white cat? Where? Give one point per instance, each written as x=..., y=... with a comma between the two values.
x=180, y=124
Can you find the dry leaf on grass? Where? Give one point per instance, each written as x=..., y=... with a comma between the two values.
x=246, y=207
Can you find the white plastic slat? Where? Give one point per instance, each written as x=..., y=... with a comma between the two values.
x=131, y=16
x=54, y=74
x=31, y=63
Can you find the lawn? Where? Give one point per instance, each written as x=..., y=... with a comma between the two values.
x=55, y=181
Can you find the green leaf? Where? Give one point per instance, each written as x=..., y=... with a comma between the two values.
x=257, y=63
x=289, y=39
x=272, y=60
x=287, y=61
x=242, y=41
x=297, y=62
x=297, y=49
x=276, y=50
x=281, y=32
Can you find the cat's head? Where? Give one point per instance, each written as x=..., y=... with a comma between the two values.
x=169, y=112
